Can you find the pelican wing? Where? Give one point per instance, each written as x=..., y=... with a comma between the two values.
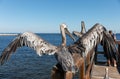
x=111, y=45
x=28, y=39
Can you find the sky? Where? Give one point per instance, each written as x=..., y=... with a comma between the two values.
x=45, y=16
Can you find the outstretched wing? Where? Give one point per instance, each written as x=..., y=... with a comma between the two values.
x=28, y=39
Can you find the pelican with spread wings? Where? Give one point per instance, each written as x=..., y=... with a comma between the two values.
x=41, y=47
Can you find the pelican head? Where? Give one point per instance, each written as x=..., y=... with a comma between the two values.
x=64, y=30
x=83, y=30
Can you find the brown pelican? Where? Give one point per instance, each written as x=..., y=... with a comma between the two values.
x=42, y=47
x=97, y=34
x=83, y=30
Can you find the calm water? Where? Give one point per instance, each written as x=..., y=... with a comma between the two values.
x=26, y=64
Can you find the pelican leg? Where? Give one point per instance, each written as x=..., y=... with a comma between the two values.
x=88, y=59
x=68, y=75
x=82, y=72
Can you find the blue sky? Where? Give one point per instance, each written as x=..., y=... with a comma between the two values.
x=45, y=16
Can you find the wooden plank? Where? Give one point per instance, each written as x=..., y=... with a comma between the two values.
x=98, y=72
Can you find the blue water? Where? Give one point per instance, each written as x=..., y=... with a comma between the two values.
x=26, y=64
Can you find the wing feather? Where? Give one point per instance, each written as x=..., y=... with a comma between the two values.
x=31, y=40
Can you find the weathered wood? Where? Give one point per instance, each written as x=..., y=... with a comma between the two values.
x=98, y=72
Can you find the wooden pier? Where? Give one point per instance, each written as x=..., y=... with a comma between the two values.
x=98, y=68
x=98, y=72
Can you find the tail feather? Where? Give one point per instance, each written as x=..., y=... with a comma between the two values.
x=110, y=45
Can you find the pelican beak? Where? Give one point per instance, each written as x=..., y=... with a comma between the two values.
x=68, y=33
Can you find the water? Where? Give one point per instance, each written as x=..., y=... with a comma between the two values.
x=26, y=64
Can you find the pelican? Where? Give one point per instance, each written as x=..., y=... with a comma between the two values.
x=83, y=30
x=41, y=47
x=96, y=35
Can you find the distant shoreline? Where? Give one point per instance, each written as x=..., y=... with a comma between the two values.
x=8, y=34
x=15, y=34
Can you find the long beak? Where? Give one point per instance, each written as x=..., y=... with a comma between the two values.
x=67, y=32
x=78, y=34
